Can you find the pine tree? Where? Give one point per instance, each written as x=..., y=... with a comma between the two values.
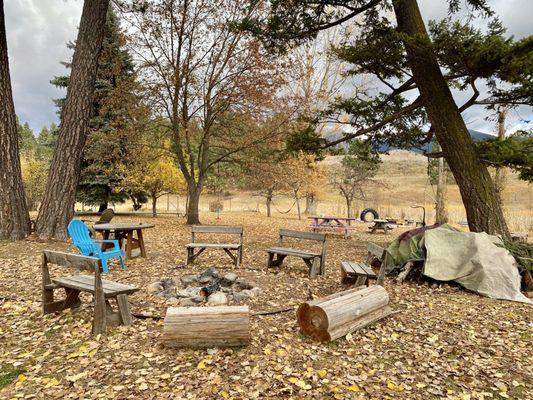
x=115, y=111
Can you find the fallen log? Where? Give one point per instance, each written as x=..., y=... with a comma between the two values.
x=336, y=315
x=222, y=326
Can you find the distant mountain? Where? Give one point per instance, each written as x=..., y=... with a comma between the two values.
x=475, y=135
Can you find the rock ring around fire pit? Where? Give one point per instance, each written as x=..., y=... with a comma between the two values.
x=209, y=287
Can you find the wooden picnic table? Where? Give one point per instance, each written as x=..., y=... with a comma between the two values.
x=125, y=231
x=341, y=224
x=382, y=224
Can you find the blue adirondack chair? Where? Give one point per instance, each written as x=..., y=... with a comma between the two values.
x=87, y=246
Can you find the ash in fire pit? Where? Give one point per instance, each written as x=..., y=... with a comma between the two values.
x=208, y=287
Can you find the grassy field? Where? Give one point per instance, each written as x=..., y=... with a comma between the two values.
x=403, y=183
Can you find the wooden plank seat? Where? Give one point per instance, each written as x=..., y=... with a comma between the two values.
x=233, y=250
x=315, y=261
x=356, y=273
x=85, y=283
x=73, y=285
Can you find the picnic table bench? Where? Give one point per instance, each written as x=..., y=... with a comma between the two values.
x=314, y=260
x=229, y=248
x=339, y=224
x=356, y=273
x=102, y=290
x=381, y=224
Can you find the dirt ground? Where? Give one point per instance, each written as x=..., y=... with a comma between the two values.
x=443, y=343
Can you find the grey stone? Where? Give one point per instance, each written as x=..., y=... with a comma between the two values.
x=228, y=279
x=173, y=301
x=154, y=288
x=167, y=283
x=243, y=284
x=240, y=296
x=205, y=279
x=187, y=280
x=187, y=302
x=198, y=299
x=217, y=298
x=210, y=274
x=167, y=293
x=188, y=292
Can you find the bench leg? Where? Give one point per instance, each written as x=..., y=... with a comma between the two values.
x=315, y=267
x=191, y=256
x=232, y=256
x=361, y=280
x=124, y=309
x=270, y=260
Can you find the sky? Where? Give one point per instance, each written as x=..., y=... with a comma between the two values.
x=38, y=30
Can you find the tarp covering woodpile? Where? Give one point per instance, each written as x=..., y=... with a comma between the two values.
x=474, y=260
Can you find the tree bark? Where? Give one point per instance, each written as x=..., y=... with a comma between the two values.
x=193, y=203
x=475, y=184
x=348, y=207
x=441, y=212
x=14, y=216
x=269, y=204
x=499, y=178
x=297, y=198
x=310, y=204
x=57, y=207
x=154, y=205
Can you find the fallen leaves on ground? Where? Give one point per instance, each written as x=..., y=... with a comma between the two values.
x=445, y=342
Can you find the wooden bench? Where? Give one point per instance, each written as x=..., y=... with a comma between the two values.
x=229, y=248
x=375, y=252
x=356, y=273
x=73, y=285
x=314, y=260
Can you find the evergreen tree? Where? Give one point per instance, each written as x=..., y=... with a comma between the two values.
x=115, y=120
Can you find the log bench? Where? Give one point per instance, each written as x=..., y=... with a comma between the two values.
x=102, y=290
x=314, y=260
x=356, y=273
x=194, y=249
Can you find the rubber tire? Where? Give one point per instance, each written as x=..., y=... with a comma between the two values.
x=368, y=211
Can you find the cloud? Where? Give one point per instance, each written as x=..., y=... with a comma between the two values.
x=37, y=31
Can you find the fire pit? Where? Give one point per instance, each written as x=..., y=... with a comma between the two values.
x=209, y=287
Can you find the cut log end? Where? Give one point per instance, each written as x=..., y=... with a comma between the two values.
x=341, y=313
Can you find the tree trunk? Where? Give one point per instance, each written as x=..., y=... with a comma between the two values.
x=441, y=212
x=348, y=207
x=193, y=203
x=298, y=205
x=499, y=178
x=154, y=205
x=57, y=207
x=14, y=216
x=269, y=204
x=310, y=204
x=475, y=184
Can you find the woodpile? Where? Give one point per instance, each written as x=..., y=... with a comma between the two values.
x=336, y=315
x=222, y=326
